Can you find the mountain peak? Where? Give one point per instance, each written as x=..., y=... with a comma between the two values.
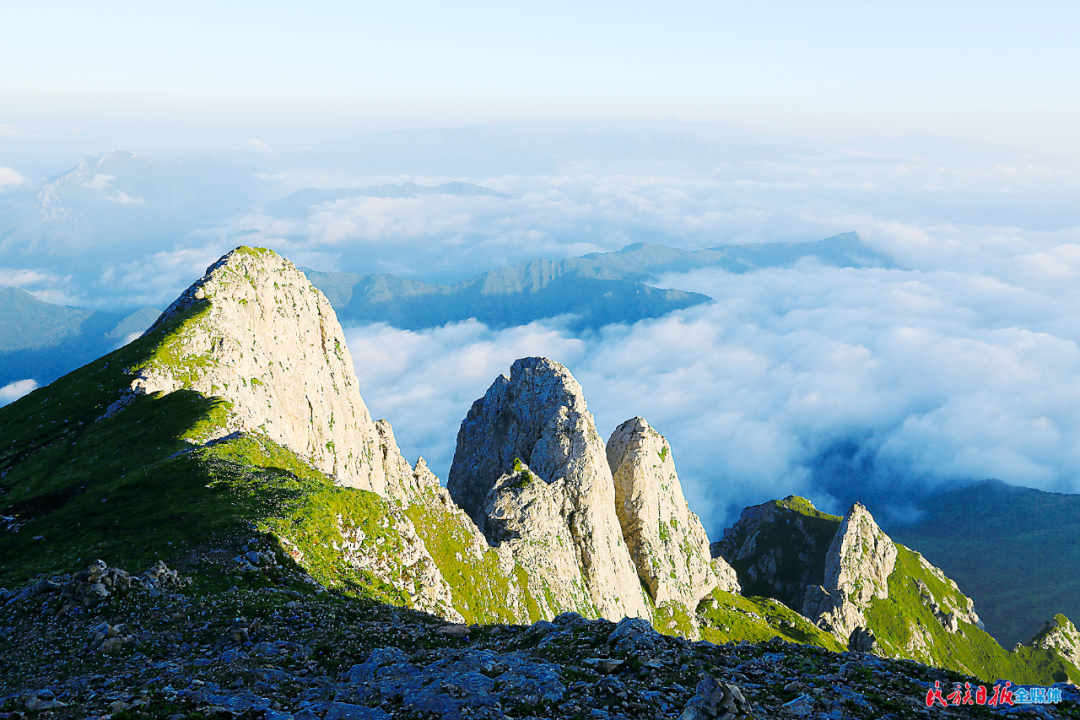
x=256, y=333
x=538, y=416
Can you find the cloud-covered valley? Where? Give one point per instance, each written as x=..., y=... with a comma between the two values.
x=840, y=384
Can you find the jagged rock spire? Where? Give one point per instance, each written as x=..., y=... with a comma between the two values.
x=666, y=540
x=857, y=570
x=538, y=415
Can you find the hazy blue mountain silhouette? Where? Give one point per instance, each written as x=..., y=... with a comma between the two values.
x=41, y=341
x=598, y=289
x=1014, y=550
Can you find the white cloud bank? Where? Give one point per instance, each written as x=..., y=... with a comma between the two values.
x=830, y=383
x=10, y=177
x=13, y=391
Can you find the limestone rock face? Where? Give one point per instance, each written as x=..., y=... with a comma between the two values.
x=857, y=570
x=258, y=334
x=1060, y=634
x=538, y=415
x=531, y=518
x=778, y=548
x=666, y=540
x=861, y=558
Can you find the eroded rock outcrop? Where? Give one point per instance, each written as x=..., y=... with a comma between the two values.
x=530, y=518
x=405, y=563
x=1060, y=634
x=857, y=570
x=666, y=540
x=538, y=415
x=778, y=548
x=255, y=332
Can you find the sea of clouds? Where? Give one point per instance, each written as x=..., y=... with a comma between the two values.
x=837, y=384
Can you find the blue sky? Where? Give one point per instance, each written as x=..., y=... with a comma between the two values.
x=989, y=71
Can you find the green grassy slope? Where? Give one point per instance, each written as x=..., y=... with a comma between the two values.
x=136, y=487
x=725, y=617
x=906, y=627
x=793, y=537
x=1015, y=551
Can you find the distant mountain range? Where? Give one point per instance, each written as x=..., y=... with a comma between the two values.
x=43, y=341
x=110, y=204
x=598, y=289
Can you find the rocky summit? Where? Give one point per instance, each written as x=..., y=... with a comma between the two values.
x=857, y=570
x=538, y=416
x=255, y=332
x=208, y=522
x=874, y=594
x=666, y=540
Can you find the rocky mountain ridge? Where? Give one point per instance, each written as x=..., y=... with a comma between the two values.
x=239, y=412
x=870, y=592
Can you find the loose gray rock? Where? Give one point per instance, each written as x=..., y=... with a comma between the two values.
x=715, y=698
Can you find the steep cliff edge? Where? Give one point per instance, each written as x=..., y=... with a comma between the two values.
x=527, y=518
x=257, y=333
x=778, y=548
x=1061, y=635
x=666, y=540
x=538, y=416
x=870, y=593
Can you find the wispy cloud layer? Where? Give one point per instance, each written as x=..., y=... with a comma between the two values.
x=833, y=383
x=837, y=384
x=10, y=177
